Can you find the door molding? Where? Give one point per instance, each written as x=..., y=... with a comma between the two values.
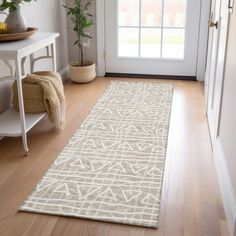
x=101, y=40
x=202, y=45
x=219, y=73
x=203, y=39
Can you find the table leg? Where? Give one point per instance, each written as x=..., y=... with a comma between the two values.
x=21, y=105
x=54, y=60
x=31, y=63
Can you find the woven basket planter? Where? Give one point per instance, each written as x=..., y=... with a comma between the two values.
x=82, y=74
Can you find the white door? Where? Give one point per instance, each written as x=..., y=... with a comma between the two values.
x=157, y=37
x=216, y=62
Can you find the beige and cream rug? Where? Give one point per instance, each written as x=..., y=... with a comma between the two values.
x=112, y=169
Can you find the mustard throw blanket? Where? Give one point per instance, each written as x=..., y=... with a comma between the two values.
x=43, y=92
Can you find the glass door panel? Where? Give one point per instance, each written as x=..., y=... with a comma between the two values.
x=151, y=28
x=173, y=43
x=151, y=13
x=175, y=13
x=128, y=13
x=128, y=42
x=150, y=43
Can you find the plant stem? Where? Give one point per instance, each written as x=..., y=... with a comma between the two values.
x=82, y=54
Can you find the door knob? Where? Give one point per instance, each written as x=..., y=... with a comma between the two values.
x=212, y=24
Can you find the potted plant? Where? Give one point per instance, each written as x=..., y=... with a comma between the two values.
x=15, y=20
x=81, y=71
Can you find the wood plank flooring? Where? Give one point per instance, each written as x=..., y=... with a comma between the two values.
x=191, y=202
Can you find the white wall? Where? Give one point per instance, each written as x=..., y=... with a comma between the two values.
x=48, y=16
x=228, y=110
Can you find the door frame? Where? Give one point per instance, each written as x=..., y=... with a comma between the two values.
x=214, y=122
x=202, y=42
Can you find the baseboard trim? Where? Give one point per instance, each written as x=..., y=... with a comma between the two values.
x=64, y=73
x=226, y=188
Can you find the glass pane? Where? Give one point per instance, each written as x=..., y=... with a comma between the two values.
x=175, y=13
x=150, y=42
x=128, y=12
x=128, y=44
x=173, y=43
x=151, y=11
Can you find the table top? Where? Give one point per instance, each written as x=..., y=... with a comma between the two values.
x=29, y=44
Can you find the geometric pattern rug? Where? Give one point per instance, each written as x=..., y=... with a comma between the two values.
x=113, y=167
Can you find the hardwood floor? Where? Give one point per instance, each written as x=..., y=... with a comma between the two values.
x=191, y=202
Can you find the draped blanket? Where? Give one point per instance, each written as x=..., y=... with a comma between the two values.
x=43, y=92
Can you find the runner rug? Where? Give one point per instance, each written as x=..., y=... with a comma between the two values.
x=112, y=168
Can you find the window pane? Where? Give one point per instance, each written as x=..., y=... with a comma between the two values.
x=173, y=43
x=175, y=13
x=128, y=43
x=128, y=12
x=150, y=42
x=151, y=12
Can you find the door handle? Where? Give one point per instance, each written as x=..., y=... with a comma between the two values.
x=212, y=24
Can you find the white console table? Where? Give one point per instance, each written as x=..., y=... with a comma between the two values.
x=13, y=123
